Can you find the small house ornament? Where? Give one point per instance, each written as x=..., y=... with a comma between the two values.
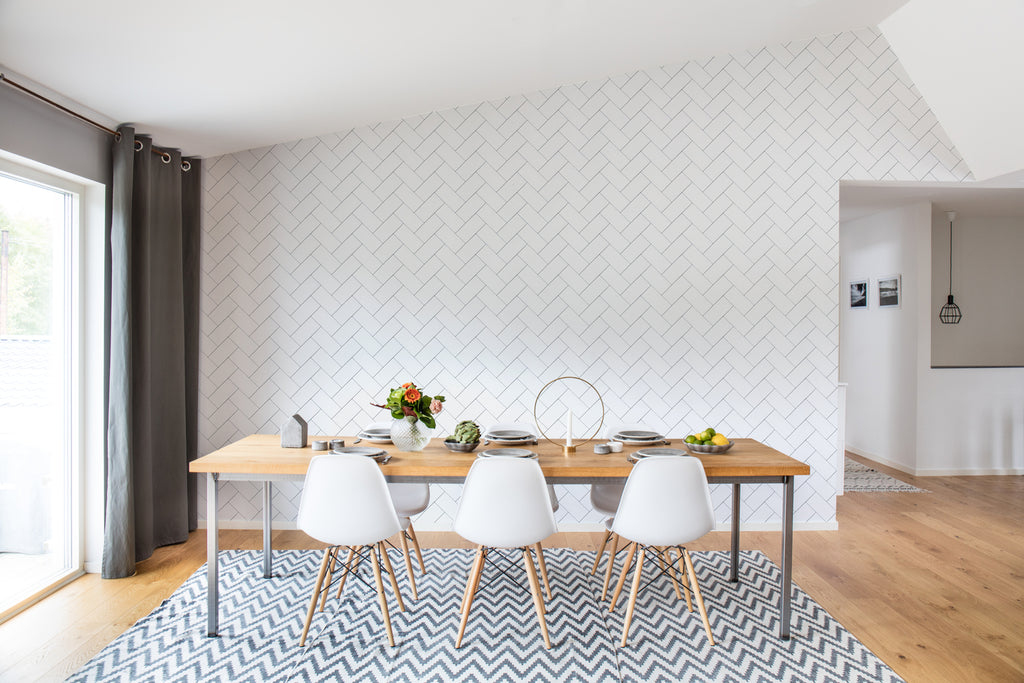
x=294, y=432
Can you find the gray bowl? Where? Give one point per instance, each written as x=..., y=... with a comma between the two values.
x=457, y=447
x=697, y=448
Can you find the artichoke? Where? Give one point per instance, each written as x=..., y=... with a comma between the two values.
x=466, y=431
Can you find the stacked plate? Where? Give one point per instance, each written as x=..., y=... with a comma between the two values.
x=650, y=452
x=378, y=454
x=509, y=437
x=637, y=437
x=375, y=435
x=507, y=453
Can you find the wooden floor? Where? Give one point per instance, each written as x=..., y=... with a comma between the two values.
x=933, y=583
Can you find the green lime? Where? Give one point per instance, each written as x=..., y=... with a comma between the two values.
x=710, y=432
x=691, y=439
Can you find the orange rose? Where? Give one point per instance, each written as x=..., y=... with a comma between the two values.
x=412, y=395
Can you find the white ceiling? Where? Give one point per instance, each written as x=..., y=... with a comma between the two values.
x=966, y=59
x=1003, y=197
x=216, y=76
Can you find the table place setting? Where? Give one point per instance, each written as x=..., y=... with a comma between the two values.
x=508, y=437
x=374, y=434
x=508, y=453
x=378, y=454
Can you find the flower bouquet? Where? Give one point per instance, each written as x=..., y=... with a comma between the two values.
x=410, y=406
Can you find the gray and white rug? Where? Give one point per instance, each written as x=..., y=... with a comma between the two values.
x=261, y=620
x=861, y=478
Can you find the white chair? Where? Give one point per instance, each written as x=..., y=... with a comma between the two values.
x=523, y=427
x=605, y=499
x=345, y=502
x=505, y=504
x=409, y=500
x=666, y=504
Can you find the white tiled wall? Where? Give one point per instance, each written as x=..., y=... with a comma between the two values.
x=670, y=235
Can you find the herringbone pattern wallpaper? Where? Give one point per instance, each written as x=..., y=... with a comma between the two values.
x=670, y=235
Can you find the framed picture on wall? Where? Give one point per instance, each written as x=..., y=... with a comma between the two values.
x=889, y=294
x=859, y=294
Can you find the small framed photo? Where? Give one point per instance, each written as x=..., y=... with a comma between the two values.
x=859, y=294
x=889, y=294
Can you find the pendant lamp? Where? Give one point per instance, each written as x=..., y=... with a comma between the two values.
x=950, y=313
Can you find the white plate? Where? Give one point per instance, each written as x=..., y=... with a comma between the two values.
x=374, y=438
x=359, y=450
x=648, y=452
x=509, y=435
x=638, y=435
x=507, y=453
x=645, y=442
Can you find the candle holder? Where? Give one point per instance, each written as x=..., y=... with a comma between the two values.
x=568, y=449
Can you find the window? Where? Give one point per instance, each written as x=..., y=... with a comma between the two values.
x=40, y=507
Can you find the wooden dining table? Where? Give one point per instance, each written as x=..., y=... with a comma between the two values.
x=261, y=458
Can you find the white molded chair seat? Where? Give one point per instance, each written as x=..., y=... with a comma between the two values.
x=345, y=502
x=666, y=504
x=505, y=504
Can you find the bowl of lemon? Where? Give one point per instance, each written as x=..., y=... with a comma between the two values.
x=708, y=441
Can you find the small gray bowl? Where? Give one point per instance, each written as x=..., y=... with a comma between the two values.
x=697, y=448
x=457, y=447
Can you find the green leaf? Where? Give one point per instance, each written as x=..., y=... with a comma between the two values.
x=428, y=420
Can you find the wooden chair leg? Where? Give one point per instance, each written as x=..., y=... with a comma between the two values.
x=611, y=565
x=696, y=593
x=416, y=546
x=391, y=575
x=408, y=564
x=668, y=568
x=543, y=570
x=330, y=575
x=600, y=551
x=632, y=594
x=380, y=595
x=349, y=568
x=622, y=577
x=531, y=572
x=474, y=580
x=685, y=581
x=316, y=593
x=469, y=577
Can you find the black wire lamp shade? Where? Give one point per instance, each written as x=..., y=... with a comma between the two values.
x=950, y=313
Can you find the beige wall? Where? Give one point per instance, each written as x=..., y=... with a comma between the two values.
x=988, y=286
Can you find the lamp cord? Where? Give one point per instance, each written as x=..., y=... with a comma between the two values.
x=951, y=258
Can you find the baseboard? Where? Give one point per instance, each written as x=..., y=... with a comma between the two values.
x=566, y=527
x=875, y=458
x=971, y=472
x=953, y=472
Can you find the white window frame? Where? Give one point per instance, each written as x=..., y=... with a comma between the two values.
x=85, y=253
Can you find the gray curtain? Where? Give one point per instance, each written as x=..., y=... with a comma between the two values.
x=153, y=335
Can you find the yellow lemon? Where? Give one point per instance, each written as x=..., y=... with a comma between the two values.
x=719, y=440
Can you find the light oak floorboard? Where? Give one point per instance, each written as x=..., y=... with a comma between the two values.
x=933, y=583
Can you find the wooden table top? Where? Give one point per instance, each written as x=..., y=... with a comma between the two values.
x=262, y=454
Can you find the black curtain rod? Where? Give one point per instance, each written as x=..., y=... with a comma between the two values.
x=164, y=156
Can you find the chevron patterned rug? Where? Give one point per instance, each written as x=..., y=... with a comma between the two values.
x=261, y=620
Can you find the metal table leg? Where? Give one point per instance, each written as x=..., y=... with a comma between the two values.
x=267, y=517
x=211, y=555
x=735, y=559
x=787, y=557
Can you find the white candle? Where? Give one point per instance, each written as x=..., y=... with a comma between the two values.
x=568, y=429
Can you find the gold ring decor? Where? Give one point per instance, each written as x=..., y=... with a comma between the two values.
x=568, y=449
